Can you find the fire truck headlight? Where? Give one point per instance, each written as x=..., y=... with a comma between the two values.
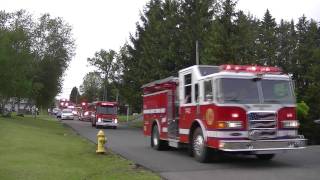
x=221, y=145
x=230, y=125
x=99, y=119
x=290, y=124
x=234, y=124
x=116, y=120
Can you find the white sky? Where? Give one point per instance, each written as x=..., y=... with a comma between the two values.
x=106, y=24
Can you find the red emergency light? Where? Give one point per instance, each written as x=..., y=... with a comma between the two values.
x=252, y=68
x=107, y=104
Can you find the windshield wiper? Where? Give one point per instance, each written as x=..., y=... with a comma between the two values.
x=233, y=100
x=273, y=101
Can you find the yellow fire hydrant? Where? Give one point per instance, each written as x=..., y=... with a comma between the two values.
x=101, y=141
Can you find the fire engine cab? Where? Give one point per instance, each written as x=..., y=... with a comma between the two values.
x=103, y=114
x=227, y=108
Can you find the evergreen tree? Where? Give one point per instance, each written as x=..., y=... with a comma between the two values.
x=220, y=45
x=246, y=34
x=74, y=95
x=196, y=21
x=267, y=40
x=286, y=36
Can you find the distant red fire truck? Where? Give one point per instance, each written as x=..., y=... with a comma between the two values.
x=228, y=108
x=103, y=114
x=64, y=103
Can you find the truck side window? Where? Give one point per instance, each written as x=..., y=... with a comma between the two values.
x=176, y=104
x=208, y=95
x=196, y=93
x=187, y=88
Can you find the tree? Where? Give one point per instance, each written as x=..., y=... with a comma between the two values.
x=196, y=23
x=287, y=42
x=75, y=95
x=16, y=59
x=53, y=47
x=105, y=62
x=267, y=43
x=33, y=56
x=245, y=36
x=91, y=87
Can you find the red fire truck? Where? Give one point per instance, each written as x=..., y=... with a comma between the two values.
x=227, y=108
x=103, y=114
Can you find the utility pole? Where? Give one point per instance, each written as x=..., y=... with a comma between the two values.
x=127, y=105
x=76, y=96
x=197, y=52
x=117, y=97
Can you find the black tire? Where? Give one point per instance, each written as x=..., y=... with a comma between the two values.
x=265, y=157
x=156, y=142
x=114, y=127
x=199, y=149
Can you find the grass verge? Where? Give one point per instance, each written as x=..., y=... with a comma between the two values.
x=44, y=149
x=132, y=120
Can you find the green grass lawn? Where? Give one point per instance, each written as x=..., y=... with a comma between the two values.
x=136, y=124
x=43, y=148
x=123, y=118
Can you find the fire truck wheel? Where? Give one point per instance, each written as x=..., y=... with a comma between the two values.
x=199, y=149
x=265, y=157
x=156, y=142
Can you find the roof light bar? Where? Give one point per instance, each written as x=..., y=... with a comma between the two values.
x=252, y=68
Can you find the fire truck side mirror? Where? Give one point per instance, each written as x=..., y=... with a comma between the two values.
x=317, y=121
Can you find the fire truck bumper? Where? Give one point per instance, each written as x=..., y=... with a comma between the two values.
x=106, y=124
x=262, y=146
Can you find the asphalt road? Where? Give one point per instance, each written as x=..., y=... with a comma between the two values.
x=177, y=165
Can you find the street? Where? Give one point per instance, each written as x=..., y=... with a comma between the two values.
x=177, y=165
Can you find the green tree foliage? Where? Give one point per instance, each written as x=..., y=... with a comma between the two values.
x=16, y=59
x=267, y=43
x=105, y=62
x=287, y=41
x=222, y=36
x=91, y=87
x=195, y=21
x=74, y=95
x=33, y=56
x=302, y=110
x=16, y=69
x=54, y=49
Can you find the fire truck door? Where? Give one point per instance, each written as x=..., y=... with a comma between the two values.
x=173, y=125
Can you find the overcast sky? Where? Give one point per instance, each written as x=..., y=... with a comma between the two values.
x=106, y=24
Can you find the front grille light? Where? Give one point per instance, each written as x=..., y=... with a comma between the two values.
x=230, y=124
x=290, y=124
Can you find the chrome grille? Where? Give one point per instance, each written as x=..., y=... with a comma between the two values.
x=107, y=120
x=262, y=125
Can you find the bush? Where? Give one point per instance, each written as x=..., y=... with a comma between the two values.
x=307, y=125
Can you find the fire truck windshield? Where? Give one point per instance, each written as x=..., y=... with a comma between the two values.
x=106, y=110
x=246, y=91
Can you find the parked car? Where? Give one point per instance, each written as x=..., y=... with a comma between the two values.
x=67, y=114
x=55, y=111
